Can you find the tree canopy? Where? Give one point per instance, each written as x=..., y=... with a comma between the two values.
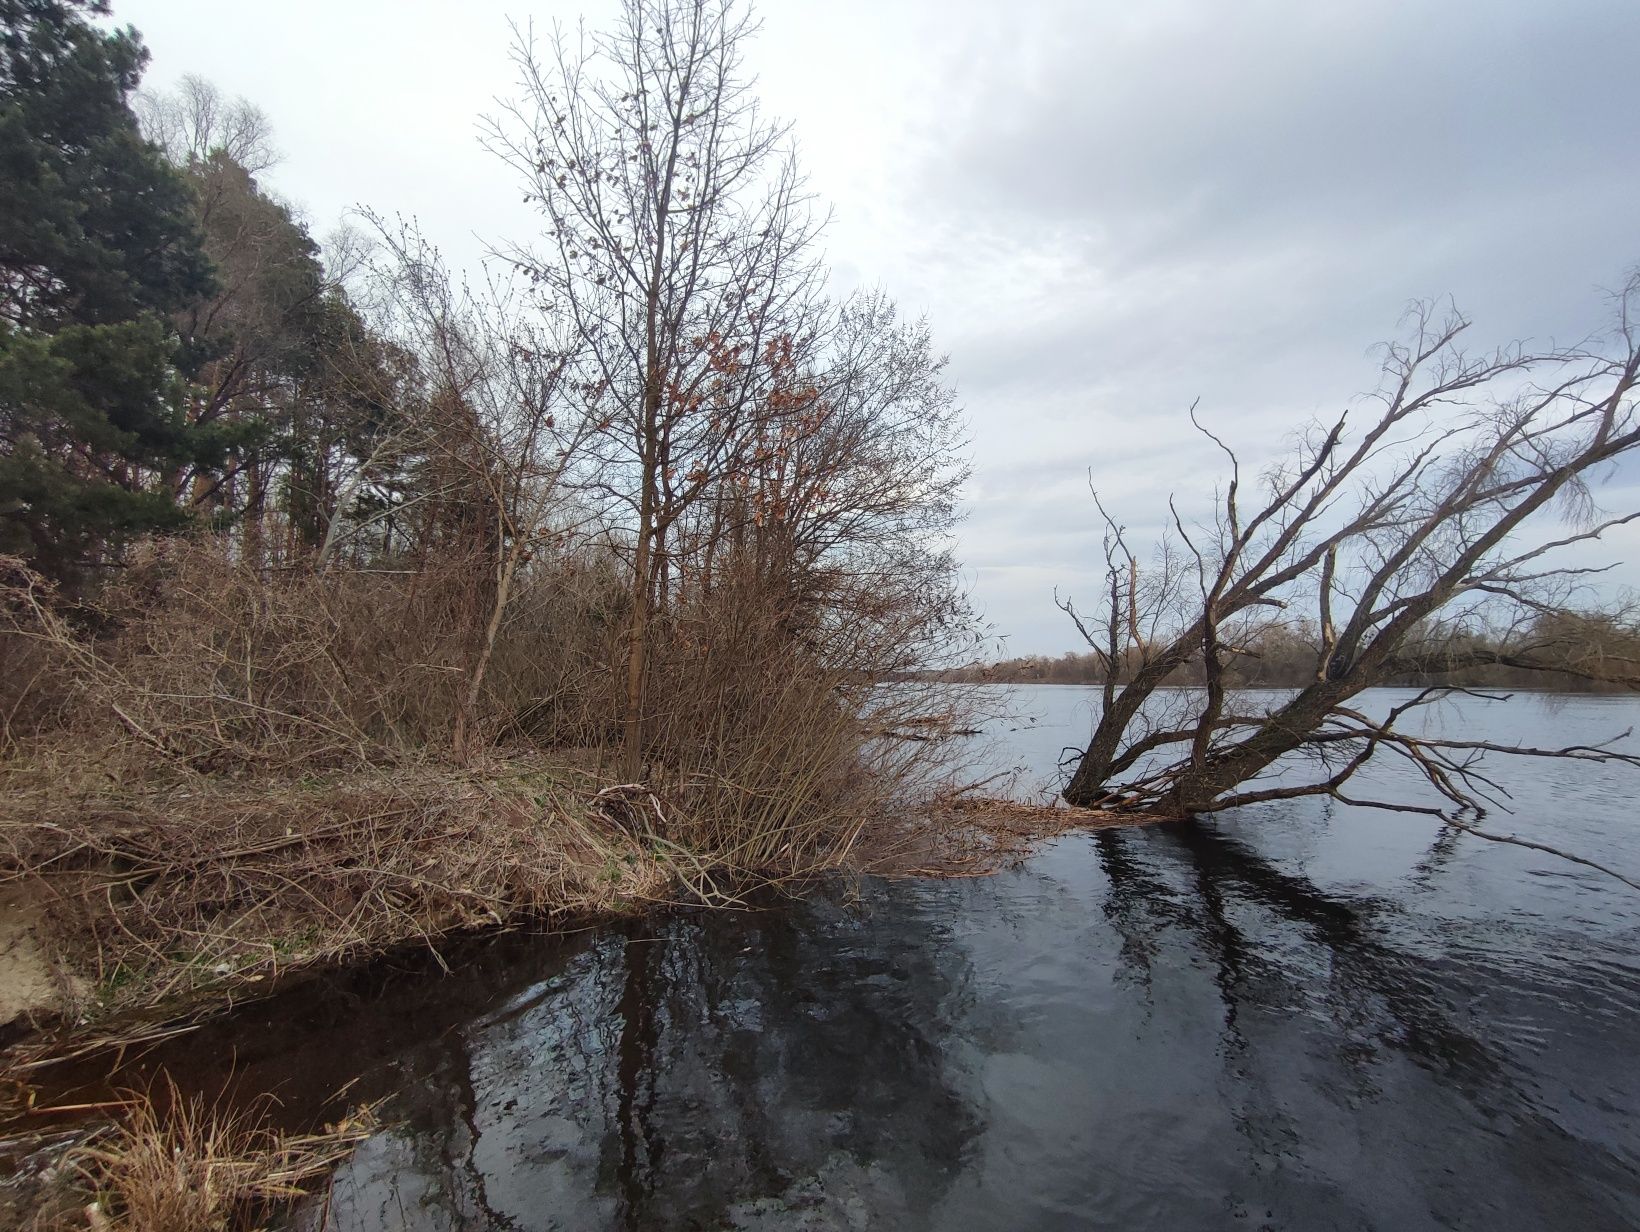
x=98, y=244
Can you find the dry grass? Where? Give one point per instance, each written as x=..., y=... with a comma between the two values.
x=206, y=666
x=769, y=738
x=172, y=1164
x=975, y=836
x=155, y=891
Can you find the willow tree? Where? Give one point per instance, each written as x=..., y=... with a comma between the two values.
x=1457, y=502
x=679, y=243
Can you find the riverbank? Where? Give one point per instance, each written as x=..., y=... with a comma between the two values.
x=876, y=1038
x=152, y=901
x=134, y=911
x=133, y=914
x=131, y=908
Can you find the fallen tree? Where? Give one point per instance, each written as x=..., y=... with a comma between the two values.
x=1460, y=506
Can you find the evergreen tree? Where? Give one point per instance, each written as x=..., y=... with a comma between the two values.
x=98, y=246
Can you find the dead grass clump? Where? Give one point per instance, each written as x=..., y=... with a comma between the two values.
x=789, y=787
x=34, y=668
x=181, y=1165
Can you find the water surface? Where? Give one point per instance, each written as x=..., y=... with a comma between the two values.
x=1297, y=1017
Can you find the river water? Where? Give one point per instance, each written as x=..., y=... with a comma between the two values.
x=1299, y=1017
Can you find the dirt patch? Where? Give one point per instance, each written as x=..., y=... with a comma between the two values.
x=27, y=987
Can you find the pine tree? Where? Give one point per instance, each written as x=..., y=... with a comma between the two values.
x=98, y=246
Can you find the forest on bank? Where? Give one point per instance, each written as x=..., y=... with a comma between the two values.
x=1586, y=652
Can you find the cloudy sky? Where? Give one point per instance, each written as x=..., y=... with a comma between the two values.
x=1106, y=209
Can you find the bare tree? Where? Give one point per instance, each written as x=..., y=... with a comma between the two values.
x=845, y=504
x=195, y=123
x=679, y=244
x=1453, y=509
x=495, y=434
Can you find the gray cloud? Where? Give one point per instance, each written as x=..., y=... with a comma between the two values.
x=1108, y=209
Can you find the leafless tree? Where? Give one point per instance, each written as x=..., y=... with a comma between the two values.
x=195, y=122
x=679, y=244
x=845, y=504
x=1455, y=508
x=495, y=434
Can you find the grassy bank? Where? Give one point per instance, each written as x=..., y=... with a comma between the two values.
x=148, y=899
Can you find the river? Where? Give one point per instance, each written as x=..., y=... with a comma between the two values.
x=1298, y=1017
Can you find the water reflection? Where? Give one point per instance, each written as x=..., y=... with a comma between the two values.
x=1151, y=1028
x=737, y=1071
x=1376, y=1069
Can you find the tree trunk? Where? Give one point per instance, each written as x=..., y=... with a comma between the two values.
x=1099, y=762
x=251, y=543
x=1287, y=729
x=637, y=652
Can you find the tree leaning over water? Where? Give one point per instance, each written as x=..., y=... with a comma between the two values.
x=1453, y=510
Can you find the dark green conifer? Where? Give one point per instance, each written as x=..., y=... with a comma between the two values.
x=98, y=247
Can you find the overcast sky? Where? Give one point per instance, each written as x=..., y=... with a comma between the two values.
x=1106, y=209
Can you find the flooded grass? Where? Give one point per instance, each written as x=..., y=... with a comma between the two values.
x=175, y=1163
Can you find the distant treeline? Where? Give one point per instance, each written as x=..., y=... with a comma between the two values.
x=1596, y=654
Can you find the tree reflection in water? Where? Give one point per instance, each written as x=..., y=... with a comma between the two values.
x=1368, y=1050
x=1161, y=1027
x=732, y=1071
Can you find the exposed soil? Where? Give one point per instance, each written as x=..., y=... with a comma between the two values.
x=27, y=986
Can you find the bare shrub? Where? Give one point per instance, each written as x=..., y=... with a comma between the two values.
x=553, y=675
x=208, y=665
x=771, y=742
x=33, y=668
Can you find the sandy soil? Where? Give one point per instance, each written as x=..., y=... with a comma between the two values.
x=26, y=985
